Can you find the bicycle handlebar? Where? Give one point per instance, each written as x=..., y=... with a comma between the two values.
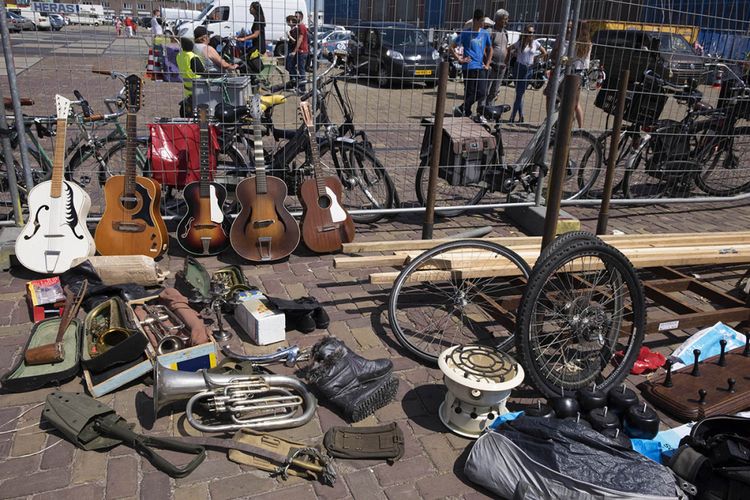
x=87, y=111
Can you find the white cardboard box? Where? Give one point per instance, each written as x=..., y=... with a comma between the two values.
x=256, y=316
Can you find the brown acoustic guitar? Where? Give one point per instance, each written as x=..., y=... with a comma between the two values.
x=326, y=225
x=264, y=230
x=204, y=230
x=131, y=223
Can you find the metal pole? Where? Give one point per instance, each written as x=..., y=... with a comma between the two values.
x=614, y=151
x=437, y=139
x=13, y=87
x=553, y=84
x=571, y=87
x=10, y=168
x=314, y=53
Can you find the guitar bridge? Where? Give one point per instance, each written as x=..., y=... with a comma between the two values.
x=328, y=228
x=129, y=227
x=206, y=241
x=263, y=223
x=264, y=243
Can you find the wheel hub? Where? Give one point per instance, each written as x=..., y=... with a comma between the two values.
x=588, y=320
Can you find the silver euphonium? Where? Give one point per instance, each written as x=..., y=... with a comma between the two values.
x=258, y=402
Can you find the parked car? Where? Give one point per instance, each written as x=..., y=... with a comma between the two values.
x=386, y=51
x=56, y=21
x=24, y=22
x=145, y=22
x=669, y=55
x=334, y=39
x=14, y=24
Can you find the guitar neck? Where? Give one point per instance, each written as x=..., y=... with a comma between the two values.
x=317, y=169
x=131, y=127
x=261, y=185
x=58, y=167
x=205, y=182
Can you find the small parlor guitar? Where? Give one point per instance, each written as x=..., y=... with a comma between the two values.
x=325, y=223
x=264, y=230
x=204, y=230
x=131, y=223
x=56, y=232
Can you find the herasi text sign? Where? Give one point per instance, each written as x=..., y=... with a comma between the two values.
x=55, y=8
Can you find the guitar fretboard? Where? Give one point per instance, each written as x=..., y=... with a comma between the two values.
x=205, y=181
x=131, y=127
x=261, y=185
x=319, y=181
x=58, y=167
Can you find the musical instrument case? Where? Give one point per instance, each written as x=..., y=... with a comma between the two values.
x=194, y=282
x=111, y=314
x=23, y=377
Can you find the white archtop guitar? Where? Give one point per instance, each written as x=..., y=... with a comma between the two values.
x=56, y=231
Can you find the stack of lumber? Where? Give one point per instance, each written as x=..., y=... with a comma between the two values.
x=643, y=250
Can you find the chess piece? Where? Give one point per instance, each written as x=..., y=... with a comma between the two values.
x=702, y=396
x=620, y=399
x=696, y=364
x=731, y=383
x=668, y=378
x=723, y=355
x=746, y=352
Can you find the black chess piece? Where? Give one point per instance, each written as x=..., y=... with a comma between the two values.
x=731, y=383
x=746, y=352
x=696, y=368
x=702, y=396
x=723, y=355
x=668, y=378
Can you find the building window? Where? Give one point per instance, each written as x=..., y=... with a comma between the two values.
x=126, y=6
x=141, y=5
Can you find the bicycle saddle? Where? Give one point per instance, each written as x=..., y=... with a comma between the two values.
x=226, y=113
x=269, y=101
x=495, y=112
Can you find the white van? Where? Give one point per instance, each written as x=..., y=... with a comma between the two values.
x=228, y=17
x=41, y=21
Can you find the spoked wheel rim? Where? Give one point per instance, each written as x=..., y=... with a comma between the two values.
x=580, y=308
x=453, y=295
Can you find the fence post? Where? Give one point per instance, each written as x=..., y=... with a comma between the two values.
x=437, y=139
x=571, y=87
x=614, y=151
x=10, y=169
x=13, y=87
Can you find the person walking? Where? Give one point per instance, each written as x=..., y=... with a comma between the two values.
x=118, y=27
x=500, y=55
x=256, y=39
x=581, y=63
x=129, y=27
x=156, y=28
x=526, y=49
x=300, y=50
x=475, y=60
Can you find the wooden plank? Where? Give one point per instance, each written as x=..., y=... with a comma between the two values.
x=384, y=246
x=647, y=241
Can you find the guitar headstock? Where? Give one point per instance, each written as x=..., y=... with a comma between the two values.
x=133, y=93
x=307, y=116
x=203, y=114
x=62, y=105
x=255, y=107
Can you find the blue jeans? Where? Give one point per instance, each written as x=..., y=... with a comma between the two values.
x=295, y=65
x=523, y=74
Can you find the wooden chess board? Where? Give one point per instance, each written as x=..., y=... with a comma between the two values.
x=682, y=399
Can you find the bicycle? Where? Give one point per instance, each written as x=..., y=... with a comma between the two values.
x=593, y=77
x=499, y=175
x=352, y=159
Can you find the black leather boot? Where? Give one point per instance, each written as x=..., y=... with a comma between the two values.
x=355, y=385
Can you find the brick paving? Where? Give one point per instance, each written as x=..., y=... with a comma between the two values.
x=433, y=462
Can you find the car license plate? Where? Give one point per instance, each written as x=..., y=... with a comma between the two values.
x=423, y=72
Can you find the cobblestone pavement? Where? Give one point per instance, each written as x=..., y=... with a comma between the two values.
x=433, y=463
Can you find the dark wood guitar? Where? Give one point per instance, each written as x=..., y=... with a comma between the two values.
x=131, y=223
x=325, y=223
x=204, y=230
x=264, y=230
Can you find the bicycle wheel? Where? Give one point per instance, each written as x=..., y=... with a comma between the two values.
x=367, y=184
x=41, y=170
x=583, y=305
x=584, y=153
x=723, y=172
x=446, y=195
x=592, y=80
x=459, y=292
x=591, y=179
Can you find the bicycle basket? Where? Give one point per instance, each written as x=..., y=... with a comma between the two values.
x=466, y=149
x=643, y=103
x=174, y=153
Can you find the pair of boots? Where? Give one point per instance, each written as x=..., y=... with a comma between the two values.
x=304, y=314
x=355, y=385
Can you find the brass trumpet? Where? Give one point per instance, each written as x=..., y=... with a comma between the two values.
x=165, y=327
x=258, y=402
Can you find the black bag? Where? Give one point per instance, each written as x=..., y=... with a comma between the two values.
x=715, y=457
x=378, y=442
x=467, y=148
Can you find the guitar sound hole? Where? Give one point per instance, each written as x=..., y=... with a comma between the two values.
x=324, y=202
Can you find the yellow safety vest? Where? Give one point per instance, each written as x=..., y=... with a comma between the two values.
x=184, y=60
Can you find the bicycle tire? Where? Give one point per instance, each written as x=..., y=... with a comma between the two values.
x=592, y=315
x=41, y=170
x=582, y=143
x=592, y=179
x=445, y=194
x=560, y=243
x=352, y=157
x=398, y=314
x=725, y=162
